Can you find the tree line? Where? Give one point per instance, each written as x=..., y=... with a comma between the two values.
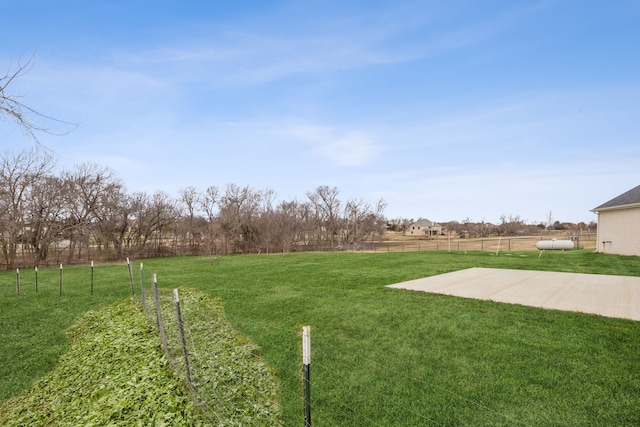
x=509, y=225
x=87, y=213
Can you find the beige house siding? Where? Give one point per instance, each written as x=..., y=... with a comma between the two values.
x=425, y=227
x=619, y=231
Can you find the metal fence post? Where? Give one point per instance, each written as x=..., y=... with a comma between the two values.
x=142, y=291
x=130, y=276
x=60, y=281
x=306, y=372
x=183, y=340
x=159, y=321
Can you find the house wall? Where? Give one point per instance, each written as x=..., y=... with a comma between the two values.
x=620, y=229
x=425, y=231
x=417, y=229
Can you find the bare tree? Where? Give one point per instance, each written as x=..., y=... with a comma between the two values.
x=208, y=204
x=113, y=218
x=238, y=210
x=484, y=228
x=510, y=225
x=209, y=201
x=142, y=222
x=151, y=217
x=190, y=200
x=14, y=110
x=165, y=217
x=287, y=225
x=362, y=221
x=306, y=224
x=85, y=185
x=549, y=222
x=468, y=228
x=18, y=174
x=266, y=231
x=326, y=205
x=46, y=213
x=400, y=225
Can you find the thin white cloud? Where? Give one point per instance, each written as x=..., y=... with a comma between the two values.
x=255, y=59
x=349, y=149
x=339, y=148
x=242, y=56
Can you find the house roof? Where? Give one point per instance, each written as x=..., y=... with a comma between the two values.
x=425, y=223
x=631, y=197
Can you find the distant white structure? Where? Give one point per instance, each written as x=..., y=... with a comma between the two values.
x=554, y=244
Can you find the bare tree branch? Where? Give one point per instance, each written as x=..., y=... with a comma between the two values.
x=12, y=109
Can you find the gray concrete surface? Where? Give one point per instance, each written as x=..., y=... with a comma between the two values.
x=611, y=296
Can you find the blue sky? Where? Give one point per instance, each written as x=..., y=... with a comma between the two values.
x=445, y=109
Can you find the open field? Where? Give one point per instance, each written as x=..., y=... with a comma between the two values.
x=380, y=356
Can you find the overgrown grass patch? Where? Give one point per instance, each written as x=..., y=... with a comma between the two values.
x=111, y=374
x=114, y=373
x=232, y=385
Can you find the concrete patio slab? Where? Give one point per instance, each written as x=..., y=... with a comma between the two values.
x=610, y=296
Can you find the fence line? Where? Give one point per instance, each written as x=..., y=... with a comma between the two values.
x=526, y=243
x=160, y=321
x=183, y=342
x=61, y=254
x=214, y=401
x=205, y=352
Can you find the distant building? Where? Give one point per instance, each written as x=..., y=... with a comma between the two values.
x=619, y=224
x=424, y=227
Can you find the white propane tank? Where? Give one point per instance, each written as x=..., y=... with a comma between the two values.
x=554, y=244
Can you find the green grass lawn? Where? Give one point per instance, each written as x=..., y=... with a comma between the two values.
x=380, y=356
x=32, y=324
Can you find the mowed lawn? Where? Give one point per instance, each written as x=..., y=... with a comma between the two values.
x=380, y=357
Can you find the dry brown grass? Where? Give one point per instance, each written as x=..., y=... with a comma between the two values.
x=397, y=242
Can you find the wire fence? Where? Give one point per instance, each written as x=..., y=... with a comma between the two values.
x=494, y=244
x=227, y=391
x=229, y=382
